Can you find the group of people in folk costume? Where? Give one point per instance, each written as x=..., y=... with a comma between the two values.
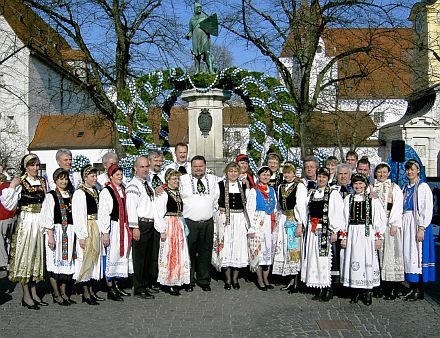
x=165, y=227
x=330, y=229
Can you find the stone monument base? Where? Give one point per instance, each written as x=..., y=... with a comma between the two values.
x=209, y=143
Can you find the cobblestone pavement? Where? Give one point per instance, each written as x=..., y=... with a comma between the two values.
x=247, y=312
x=235, y=313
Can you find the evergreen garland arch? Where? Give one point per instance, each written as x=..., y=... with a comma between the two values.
x=265, y=97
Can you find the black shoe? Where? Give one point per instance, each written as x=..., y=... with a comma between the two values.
x=30, y=307
x=318, y=295
x=112, y=294
x=64, y=302
x=377, y=292
x=326, y=295
x=236, y=286
x=394, y=292
x=261, y=288
x=269, y=286
x=293, y=289
x=40, y=303
x=122, y=292
x=227, y=286
x=416, y=295
x=206, y=288
x=89, y=301
x=144, y=295
x=97, y=298
x=189, y=288
x=367, y=299
x=409, y=295
x=355, y=298
x=151, y=290
x=3, y=268
x=173, y=291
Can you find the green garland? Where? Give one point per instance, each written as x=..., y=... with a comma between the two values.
x=265, y=98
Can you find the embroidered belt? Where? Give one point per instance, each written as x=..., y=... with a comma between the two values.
x=144, y=219
x=170, y=213
x=360, y=222
x=92, y=217
x=232, y=210
x=33, y=208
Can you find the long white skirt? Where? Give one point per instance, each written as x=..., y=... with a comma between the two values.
x=115, y=264
x=391, y=257
x=174, y=262
x=316, y=269
x=54, y=257
x=412, y=250
x=283, y=264
x=234, y=252
x=359, y=261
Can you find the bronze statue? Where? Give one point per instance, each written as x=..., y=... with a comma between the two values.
x=201, y=27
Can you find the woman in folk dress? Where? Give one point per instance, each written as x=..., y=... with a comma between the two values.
x=27, y=248
x=88, y=265
x=418, y=242
x=325, y=218
x=231, y=224
x=391, y=254
x=260, y=207
x=292, y=214
x=361, y=237
x=174, y=262
x=116, y=234
x=56, y=219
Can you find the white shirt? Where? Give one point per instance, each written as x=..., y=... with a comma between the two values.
x=139, y=204
x=199, y=207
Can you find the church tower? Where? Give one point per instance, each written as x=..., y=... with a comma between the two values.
x=425, y=16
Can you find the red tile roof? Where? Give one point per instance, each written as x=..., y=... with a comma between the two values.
x=73, y=132
x=36, y=34
x=387, y=64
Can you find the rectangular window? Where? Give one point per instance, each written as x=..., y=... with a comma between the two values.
x=379, y=117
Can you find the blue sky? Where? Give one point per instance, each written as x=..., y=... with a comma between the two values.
x=247, y=56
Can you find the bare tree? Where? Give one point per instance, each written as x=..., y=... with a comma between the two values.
x=297, y=28
x=117, y=39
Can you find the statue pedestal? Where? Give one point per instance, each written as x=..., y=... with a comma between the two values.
x=210, y=145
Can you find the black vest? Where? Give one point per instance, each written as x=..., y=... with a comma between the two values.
x=235, y=202
x=289, y=202
x=114, y=215
x=172, y=205
x=316, y=208
x=31, y=194
x=358, y=212
x=92, y=207
x=57, y=209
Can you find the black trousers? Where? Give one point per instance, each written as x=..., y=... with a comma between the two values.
x=145, y=254
x=336, y=262
x=200, y=241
